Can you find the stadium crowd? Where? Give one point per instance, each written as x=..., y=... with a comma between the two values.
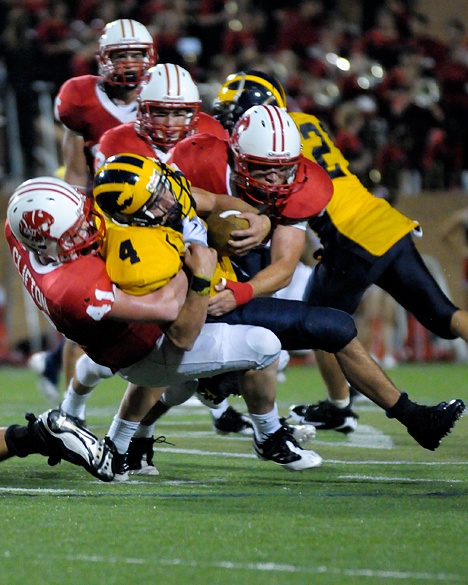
x=393, y=94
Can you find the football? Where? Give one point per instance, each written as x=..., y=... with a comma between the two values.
x=220, y=226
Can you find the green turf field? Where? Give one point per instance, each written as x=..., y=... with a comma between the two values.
x=380, y=510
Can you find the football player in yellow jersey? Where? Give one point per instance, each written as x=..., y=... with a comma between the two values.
x=132, y=248
x=364, y=241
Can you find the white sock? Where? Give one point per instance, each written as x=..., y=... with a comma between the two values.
x=222, y=407
x=74, y=404
x=340, y=403
x=120, y=432
x=265, y=424
x=144, y=431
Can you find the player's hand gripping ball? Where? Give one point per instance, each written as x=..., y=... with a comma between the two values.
x=220, y=225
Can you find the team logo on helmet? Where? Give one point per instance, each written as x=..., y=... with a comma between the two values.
x=35, y=225
x=240, y=127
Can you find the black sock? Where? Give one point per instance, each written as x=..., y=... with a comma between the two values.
x=403, y=409
x=155, y=413
x=19, y=441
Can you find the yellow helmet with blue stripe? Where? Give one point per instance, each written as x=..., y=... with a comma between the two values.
x=137, y=190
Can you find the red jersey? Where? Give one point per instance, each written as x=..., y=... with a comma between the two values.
x=83, y=107
x=203, y=159
x=125, y=138
x=76, y=296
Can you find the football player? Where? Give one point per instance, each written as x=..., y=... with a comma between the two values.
x=86, y=106
x=168, y=110
x=297, y=325
x=155, y=339
x=364, y=241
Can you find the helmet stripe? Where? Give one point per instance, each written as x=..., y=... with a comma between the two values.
x=170, y=80
x=119, y=175
x=278, y=137
x=39, y=185
x=129, y=159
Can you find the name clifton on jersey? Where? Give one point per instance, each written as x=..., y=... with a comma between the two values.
x=29, y=282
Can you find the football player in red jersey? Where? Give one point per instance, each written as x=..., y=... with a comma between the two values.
x=87, y=106
x=364, y=239
x=168, y=110
x=262, y=164
x=159, y=338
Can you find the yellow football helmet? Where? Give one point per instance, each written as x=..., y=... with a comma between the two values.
x=137, y=190
x=245, y=89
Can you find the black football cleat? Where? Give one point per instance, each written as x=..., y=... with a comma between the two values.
x=76, y=444
x=140, y=457
x=325, y=416
x=282, y=448
x=430, y=424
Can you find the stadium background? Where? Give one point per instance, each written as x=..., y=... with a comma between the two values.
x=19, y=321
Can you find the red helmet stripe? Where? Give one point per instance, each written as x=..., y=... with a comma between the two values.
x=69, y=194
x=169, y=79
x=278, y=129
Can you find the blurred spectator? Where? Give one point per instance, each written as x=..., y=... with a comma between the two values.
x=432, y=49
x=83, y=61
x=383, y=41
x=299, y=27
x=387, y=56
x=57, y=42
x=452, y=75
x=22, y=55
x=349, y=124
x=411, y=99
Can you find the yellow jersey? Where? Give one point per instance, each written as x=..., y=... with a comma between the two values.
x=140, y=259
x=366, y=220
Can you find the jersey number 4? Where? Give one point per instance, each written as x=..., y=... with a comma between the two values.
x=128, y=252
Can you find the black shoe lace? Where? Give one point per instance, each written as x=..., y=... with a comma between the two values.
x=162, y=439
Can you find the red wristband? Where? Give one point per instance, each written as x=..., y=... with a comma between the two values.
x=243, y=291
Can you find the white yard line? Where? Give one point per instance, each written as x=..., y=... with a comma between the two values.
x=264, y=567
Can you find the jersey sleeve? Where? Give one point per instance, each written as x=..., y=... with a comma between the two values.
x=66, y=106
x=209, y=125
x=83, y=289
x=312, y=196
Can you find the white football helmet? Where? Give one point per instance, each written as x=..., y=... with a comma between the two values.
x=167, y=88
x=125, y=35
x=53, y=219
x=265, y=140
